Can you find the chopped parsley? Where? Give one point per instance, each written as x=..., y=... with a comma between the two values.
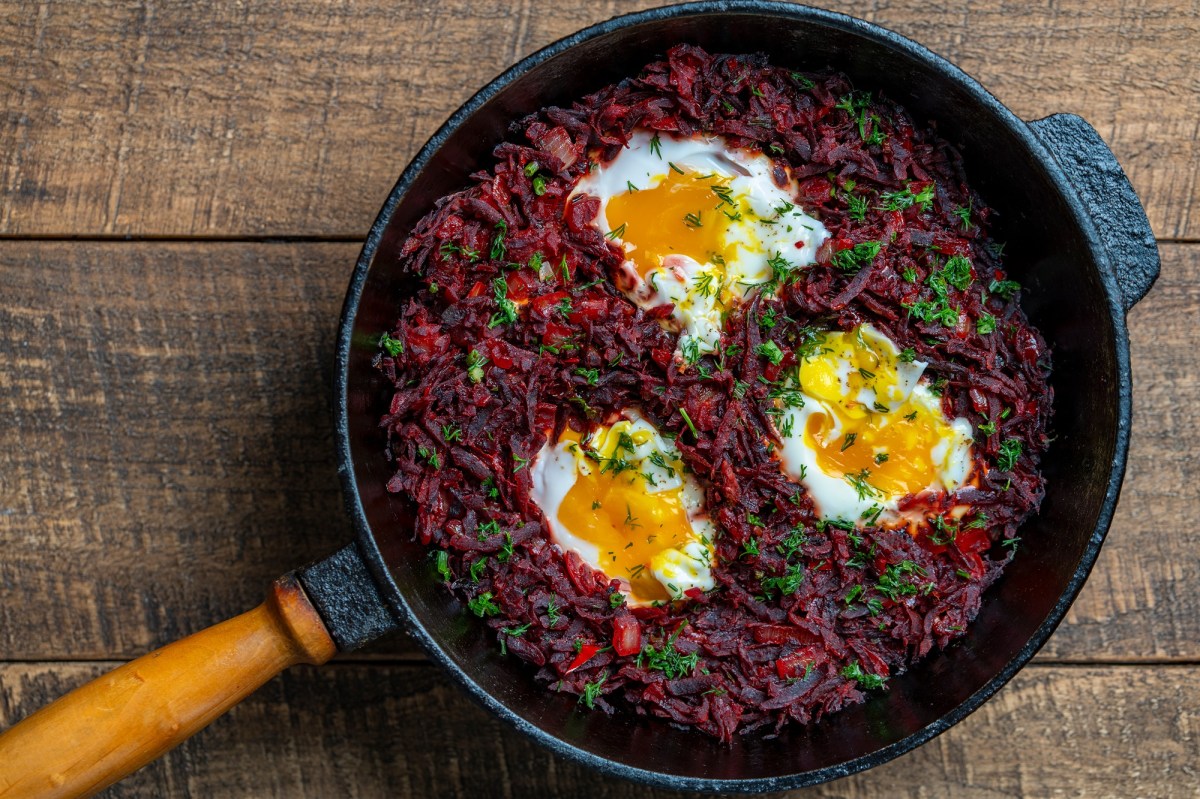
x=869, y=681
x=781, y=268
x=450, y=248
x=900, y=200
x=787, y=584
x=499, y=248
x=1006, y=457
x=1004, y=289
x=507, y=308
x=483, y=605
x=475, y=364
x=894, y=582
x=430, y=456
x=859, y=482
x=656, y=145
x=591, y=691
x=392, y=346
x=770, y=350
x=443, y=565
x=857, y=207
x=957, y=272
x=963, y=212
x=669, y=660
x=792, y=544
x=855, y=258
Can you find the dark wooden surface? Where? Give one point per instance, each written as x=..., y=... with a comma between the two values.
x=165, y=443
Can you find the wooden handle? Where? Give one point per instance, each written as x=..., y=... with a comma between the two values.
x=121, y=721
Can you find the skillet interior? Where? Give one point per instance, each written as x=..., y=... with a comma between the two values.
x=1069, y=296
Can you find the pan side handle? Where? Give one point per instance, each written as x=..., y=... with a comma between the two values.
x=1110, y=199
x=121, y=721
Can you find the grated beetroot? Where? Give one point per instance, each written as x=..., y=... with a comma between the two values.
x=517, y=329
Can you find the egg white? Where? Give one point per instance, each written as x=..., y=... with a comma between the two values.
x=555, y=471
x=836, y=497
x=764, y=233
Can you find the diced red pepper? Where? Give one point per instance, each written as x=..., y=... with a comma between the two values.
x=816, y=190
x=590, y=307
x=555, y=332
x=1027, y=346
x=424, y=342
x=627, y=635
x=972, y=539
x=950, y=244
x=798, y=663
x=586, y=652
x=497, y=353
x=791, y=666
x=542, y=306
x=519, y=283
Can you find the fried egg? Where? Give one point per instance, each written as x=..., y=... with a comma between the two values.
x=860, y=430
x=620, y=498
x=702, y=225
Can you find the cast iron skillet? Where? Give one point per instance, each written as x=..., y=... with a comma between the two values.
x=1078, y=241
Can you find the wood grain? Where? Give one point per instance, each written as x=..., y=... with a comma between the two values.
x=170, y=445
x=293, y=119
x=165, y=422
x=371, y=731
x=171, y=449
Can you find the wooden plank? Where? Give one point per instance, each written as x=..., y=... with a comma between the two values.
x=171, y=417
x=170, y=449
x=1141, y=599
x=278, y=118
x=406, y=731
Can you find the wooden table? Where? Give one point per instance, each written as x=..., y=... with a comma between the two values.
x=183, y=191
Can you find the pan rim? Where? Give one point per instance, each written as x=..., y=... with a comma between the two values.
x=952, y=75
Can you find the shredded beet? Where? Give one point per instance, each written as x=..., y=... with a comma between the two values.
x=516, y=329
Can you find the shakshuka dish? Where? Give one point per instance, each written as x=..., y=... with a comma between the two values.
x=712, y=398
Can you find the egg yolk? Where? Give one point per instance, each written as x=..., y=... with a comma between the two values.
x=610, y=508
x=685, y=214
x=887, y=441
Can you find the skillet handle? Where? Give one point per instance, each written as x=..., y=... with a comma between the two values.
x=121, y=721
x=1109, y=199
